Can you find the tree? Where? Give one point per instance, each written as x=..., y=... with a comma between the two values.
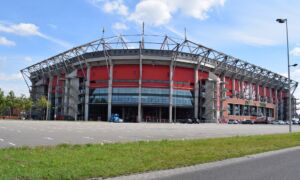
x=11, y=101
x=43, y=104
x=2, y=101
x=24, y=104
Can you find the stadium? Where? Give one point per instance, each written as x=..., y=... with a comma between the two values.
x=153, y=78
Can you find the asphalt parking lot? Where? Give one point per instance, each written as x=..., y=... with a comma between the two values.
x=14, y=133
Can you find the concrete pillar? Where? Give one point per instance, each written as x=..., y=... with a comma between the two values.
x=87, y=93
x=57, y=89
x=196, y=94
x=242, y=88
x=67, y=96
x=159, y=114
x=171, y=93
x=222, y=96
x=109, y=98
x=281, y=105
x=250, y=90
x=140, y=87
x=48, y=111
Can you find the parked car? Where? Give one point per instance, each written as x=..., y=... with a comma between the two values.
x=275, y=122
x=281, y=122
x=232, y=121
x=295, y=121
x=247, y=122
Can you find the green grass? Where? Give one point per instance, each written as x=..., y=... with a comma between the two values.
x=84, y=161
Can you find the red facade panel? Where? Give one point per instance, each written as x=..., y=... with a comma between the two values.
x=58, y=81
x=126, y=72
x=185, y=76
x=202, y=75
x=228, y=86
x=81, y=72
x=268, y=92
x=99, y=76
x=155, y=73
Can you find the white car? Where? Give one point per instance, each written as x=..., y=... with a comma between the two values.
x=275, y=122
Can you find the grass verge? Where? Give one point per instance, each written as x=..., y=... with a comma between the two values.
x=84, y=161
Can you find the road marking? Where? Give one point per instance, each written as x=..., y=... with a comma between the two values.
x=3, y=127
x=12, y=144
x=49, y=138
x=1, y=140
x=18, y=131
x=87, y=137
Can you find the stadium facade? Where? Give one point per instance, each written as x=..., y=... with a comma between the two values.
x=151, y=78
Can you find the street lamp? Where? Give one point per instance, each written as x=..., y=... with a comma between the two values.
x=289, y=78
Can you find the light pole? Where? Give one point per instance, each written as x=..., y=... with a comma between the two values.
x=289, y=77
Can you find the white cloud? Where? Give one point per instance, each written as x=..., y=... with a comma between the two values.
x=116, y=6
x=120, y=26
x=22, y=29
x=57, y=41
x=10, y=77
x=110, y=6
x=295, y=51
x=28, y=29
x=160, y=12
x=151, y=12
x=5, y=42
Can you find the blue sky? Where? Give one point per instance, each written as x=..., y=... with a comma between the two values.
x=32, y=30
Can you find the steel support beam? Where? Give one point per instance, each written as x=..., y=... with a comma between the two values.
x=48, y=111
x=87, y=93
x=196, y=93
x=109, y=100
x=140, y=84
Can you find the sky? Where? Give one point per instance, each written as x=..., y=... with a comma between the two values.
x=32, y=30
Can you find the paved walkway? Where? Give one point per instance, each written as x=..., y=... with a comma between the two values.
x=35, y=133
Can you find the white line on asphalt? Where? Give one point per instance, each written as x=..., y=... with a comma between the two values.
x=49, y=138
x=1, y=140
x=3, y=127
x=12, y=144
x=87, y=137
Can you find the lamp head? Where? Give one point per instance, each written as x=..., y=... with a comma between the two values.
x=294, y=65
x=281, y=20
